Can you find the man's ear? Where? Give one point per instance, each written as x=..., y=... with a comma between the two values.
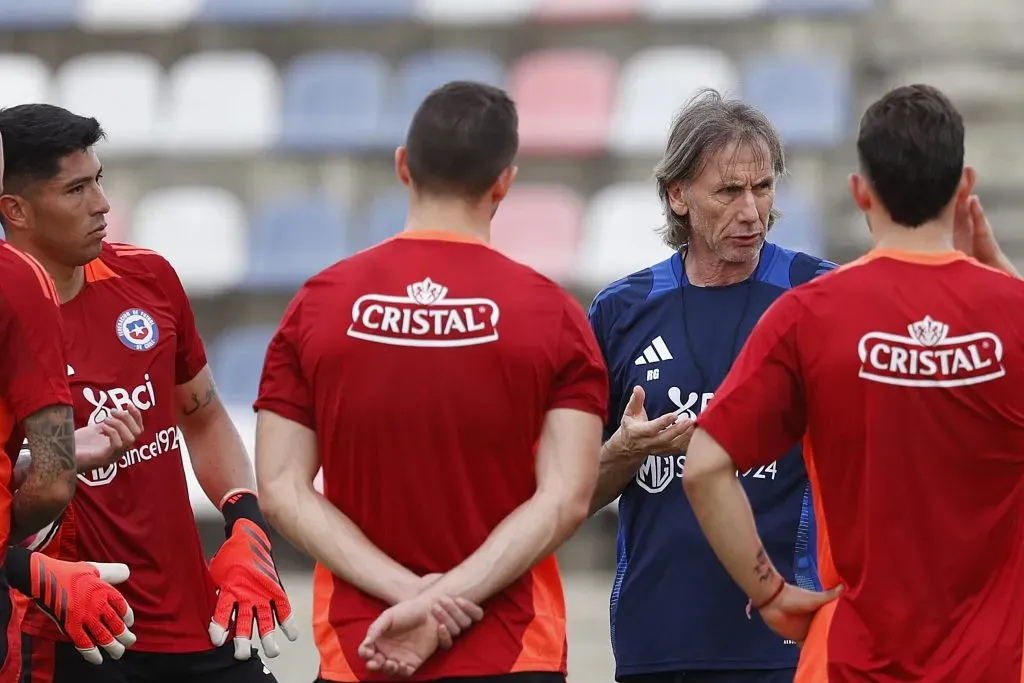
x=861, y=192
x=15, y=212
x=402, y=166
x=677, y=199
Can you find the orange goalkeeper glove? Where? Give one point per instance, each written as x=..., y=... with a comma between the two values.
x=79, y=597
x=248, y=586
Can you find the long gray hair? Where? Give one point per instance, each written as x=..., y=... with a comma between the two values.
x=704, y=127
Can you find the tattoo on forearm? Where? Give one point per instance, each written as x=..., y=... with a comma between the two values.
x=198, y=403
x=763, y=567
x=50, y=474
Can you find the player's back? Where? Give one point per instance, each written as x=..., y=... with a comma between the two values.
x=432, y=362
x=912, y=368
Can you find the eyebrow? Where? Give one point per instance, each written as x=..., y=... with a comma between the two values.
x=738, y=184
x=81, y=179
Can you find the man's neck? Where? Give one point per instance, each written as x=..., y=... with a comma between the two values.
x=455, y=217
x=929, y=238
x=705, y=269
x=68, y=280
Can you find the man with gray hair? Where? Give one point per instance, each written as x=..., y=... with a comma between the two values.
x=669, y=334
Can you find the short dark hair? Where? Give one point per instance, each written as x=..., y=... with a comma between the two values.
x=461, y=138
x=36, y=138
x=911, y=148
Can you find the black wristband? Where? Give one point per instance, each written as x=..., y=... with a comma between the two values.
x=18, y=568
x=243, y=505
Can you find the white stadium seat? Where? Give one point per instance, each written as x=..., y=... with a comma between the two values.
x=654, y=85
x=703, y=9
x=223, y=102
x=122, y=90
x=25, y=79
x=200, y=230
x=620, y=234
x=136, y=14
x=474, y=11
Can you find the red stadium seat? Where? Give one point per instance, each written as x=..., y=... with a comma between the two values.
x=555, y=119
x=586, y=10
x=540, y=226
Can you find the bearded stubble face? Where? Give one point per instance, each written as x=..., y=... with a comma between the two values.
x=729, y=203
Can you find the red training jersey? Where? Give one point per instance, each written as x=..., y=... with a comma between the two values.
x=426, y=366
x=32, y=371
x=132, y=340
x=905, y=373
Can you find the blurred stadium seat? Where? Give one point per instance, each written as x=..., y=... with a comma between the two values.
x=333, y=100
x=386, y=217
x=653, y=87
x=807, y=97
x=223, y=102
x=37, y=13
x=473, y=11
x=560, y=120
x=236, y=359
x=136, y=14
x=359, y=10
x=585, y=10
x=200, y=230
x=291, y=240
x=819, y=6
x=540, y=226
x=26, y=78
x=620, y=234
x=250, y=11
x=800, y=227
x=122, y=90
x=701, y=9
x=422, y=72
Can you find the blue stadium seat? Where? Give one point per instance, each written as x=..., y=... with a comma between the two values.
x=808, y=98
x=333, y=100
x=38, y=13
x=365, y=10
x=293, y=239
x=800, y=226
x=236, y=360
x=422, y=72
x=819, y=6
x=386, y=216
x=249, y=11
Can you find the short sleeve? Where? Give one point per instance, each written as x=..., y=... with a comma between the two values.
x=190, y=355
x=284, y=389
x=33, y=374
x=597, y=321
x=581, y=379
x=759, y=412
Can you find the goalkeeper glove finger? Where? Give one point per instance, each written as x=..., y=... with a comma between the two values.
x=80, y=598
x=249, y=589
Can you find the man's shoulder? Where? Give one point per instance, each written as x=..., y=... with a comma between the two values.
x=22, y=277
x=634, y=289
x=129, y=260
x=787, y=268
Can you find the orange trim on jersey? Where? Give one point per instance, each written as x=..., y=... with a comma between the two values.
x=440, y=236
x=130, y=249
x=939, y=258
x=544, y=639
x=45, y=282
x=333, y=664
x=97, y=270
x=813, y=664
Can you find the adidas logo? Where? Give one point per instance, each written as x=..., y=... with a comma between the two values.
x=655, y=351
